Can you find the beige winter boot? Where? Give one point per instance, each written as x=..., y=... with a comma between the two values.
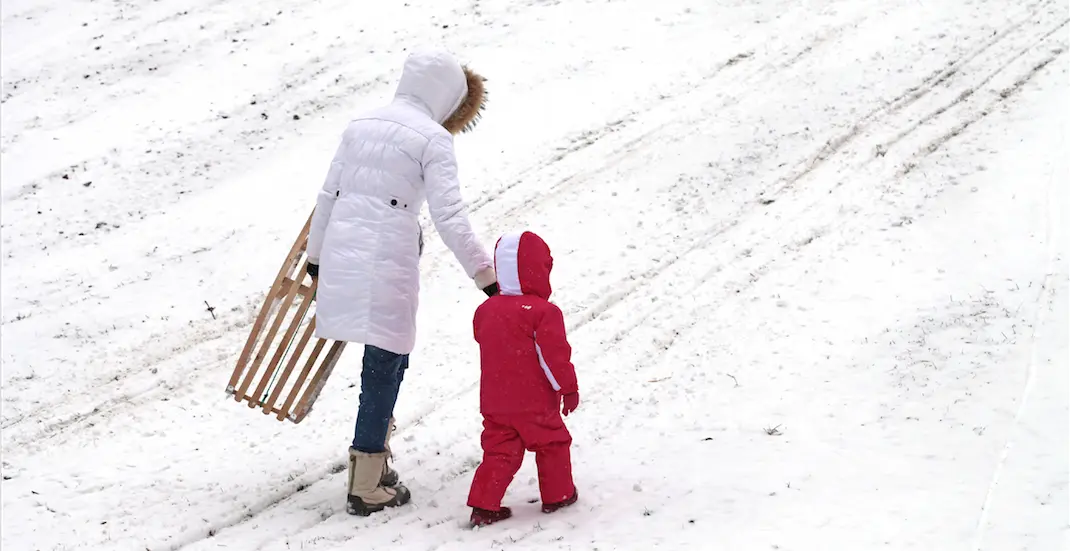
x=390, y=476
x=366, y=495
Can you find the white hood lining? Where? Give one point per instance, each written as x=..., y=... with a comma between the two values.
x=506, y=265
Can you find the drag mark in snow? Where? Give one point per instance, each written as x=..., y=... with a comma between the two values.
x=821, y=39
x=281, y=493
x=575, y=145
x=112, y=388
x=1040, y=318
x=1004, y=95
x=626, y=287
x=954, y=67
x=589, y=138
x=970, y=90
x=838, y=143
x=754, y=276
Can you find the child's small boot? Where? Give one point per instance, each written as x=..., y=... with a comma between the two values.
x=483, y=517
x=551, y=507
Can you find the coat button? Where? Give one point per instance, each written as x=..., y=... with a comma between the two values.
x=393, y=202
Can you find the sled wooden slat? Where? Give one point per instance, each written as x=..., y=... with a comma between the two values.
x=303, y=290
x=273, y=410
x=286, y=338
x=262, y=384
x=301, y=378
x=305, y=336
x=318, y=381
x=268, y=340
x=278, y=309
x=255, y=332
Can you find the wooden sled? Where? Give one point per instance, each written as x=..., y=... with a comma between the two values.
x=277, y=382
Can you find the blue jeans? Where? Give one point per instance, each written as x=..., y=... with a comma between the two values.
x=380, y=380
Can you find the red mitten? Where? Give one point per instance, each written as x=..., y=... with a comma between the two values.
x=569, y=403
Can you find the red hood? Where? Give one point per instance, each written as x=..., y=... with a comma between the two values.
x=522, y=263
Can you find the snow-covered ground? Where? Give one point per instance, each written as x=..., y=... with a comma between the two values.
x=812, y=254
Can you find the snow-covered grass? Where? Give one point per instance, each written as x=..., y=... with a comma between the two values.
x=812, y=256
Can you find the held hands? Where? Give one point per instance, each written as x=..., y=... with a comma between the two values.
x=569, y=403
x=487, y=281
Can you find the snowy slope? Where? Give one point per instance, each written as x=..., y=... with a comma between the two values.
x=845, y=221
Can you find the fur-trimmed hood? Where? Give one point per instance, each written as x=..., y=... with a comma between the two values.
x=451, y=94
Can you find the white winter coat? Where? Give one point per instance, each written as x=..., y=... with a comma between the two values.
x=365, y=234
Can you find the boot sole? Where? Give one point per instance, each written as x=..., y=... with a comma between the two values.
x=505, y=514
x=553, y=507
x=356, y=506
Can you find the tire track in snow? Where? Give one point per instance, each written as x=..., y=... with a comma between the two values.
x=955, y=66
x=968, y=93
x=140, y=357
x=1003, y=96
x=149, y=387
x=775, y=258
x=746, y=252
x=905, y=99
x=970, y=90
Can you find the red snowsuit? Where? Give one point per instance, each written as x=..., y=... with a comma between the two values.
x=526, y=366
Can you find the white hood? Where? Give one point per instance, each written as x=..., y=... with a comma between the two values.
x=433, y=81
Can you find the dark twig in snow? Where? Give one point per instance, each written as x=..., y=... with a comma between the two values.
x=733, y=379
x=773, y=431
x=211, y=309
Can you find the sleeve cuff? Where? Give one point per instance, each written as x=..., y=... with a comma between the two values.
x=485, y=278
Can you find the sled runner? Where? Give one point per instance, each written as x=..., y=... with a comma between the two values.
x=280, y=390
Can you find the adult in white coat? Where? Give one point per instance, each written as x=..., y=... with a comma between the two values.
x=365, y=242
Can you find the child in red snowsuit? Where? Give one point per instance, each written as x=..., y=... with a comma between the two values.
x=527, y=374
